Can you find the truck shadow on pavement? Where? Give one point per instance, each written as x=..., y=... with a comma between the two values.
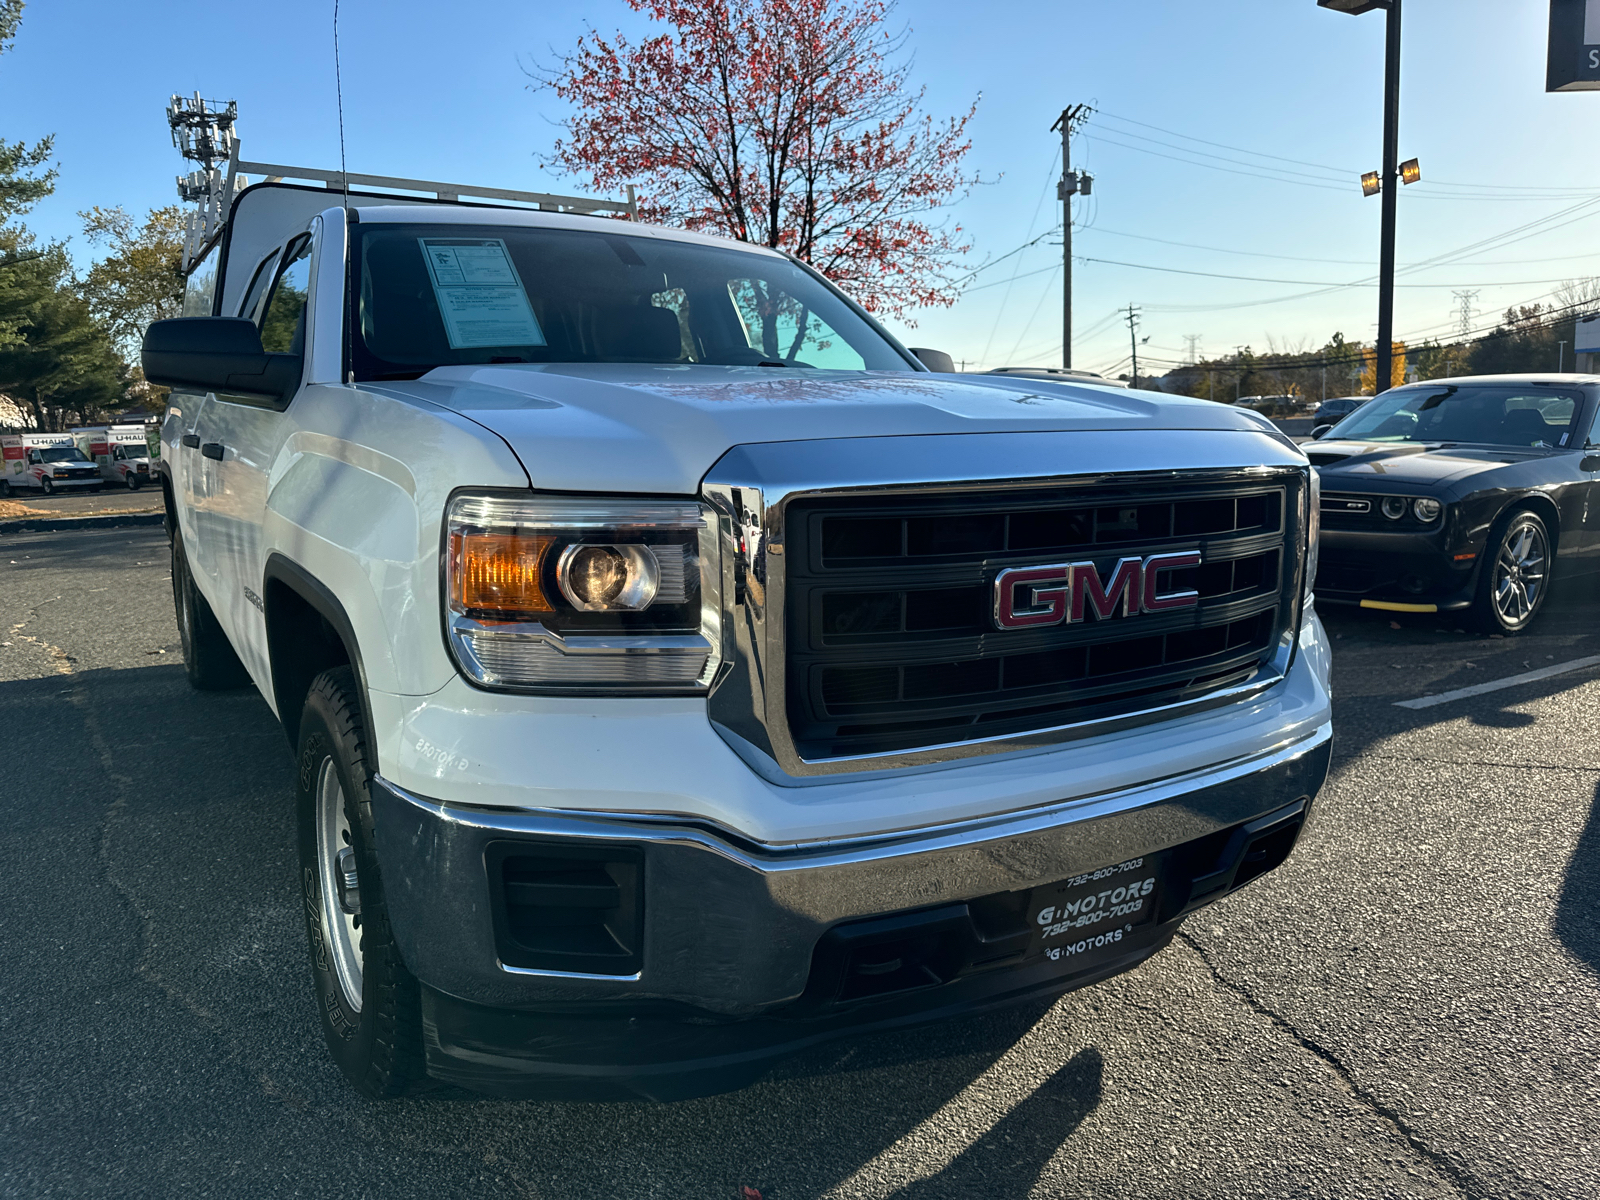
x=172, y=864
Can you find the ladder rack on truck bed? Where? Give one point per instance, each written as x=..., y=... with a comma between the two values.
x=207, y=223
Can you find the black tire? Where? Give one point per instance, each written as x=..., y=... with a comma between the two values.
x=5, y=489
x=1514, y=576
x=47, y=484
x=208, y=656
x=378, y=1042
x=133, y=481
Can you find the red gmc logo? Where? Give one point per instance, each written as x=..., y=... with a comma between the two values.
x=1028, y=596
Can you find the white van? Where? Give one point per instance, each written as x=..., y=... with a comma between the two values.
x=47, y=462
x=122, y=452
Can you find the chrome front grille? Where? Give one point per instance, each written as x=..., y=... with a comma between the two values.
x=861, y=629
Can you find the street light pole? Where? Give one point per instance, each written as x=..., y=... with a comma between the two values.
x=1390, y=180
x=1391, y=193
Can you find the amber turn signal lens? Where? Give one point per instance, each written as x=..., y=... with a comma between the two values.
x=498, y=573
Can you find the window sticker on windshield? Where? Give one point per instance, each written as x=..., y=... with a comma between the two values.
x=481, y=297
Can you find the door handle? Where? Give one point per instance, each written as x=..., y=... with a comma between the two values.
x=212, y=450
x=191, y=440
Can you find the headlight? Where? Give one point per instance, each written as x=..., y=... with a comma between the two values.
x=555, y=594
x=1427, y=509
x=1394, y=507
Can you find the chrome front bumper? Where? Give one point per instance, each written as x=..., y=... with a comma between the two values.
x=729, y=927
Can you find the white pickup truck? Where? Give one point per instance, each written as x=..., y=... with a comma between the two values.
x=681, y=673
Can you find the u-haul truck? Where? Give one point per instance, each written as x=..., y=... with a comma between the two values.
x=122, y=452
x=47, y=462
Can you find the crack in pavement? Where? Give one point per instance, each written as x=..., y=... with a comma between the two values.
x=1456, y=1175
x=63, y=660
x=121, y=784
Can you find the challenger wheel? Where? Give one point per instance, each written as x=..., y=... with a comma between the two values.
x=1515, y=574
x=369, y=1003
x=208, y=656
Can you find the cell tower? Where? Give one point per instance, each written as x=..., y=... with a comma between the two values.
x=203, y=132
x=1464, y=311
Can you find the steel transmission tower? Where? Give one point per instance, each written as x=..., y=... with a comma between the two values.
x=1464, y=311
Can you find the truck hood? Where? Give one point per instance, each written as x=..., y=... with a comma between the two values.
x=656, y=428
x=1344, y=463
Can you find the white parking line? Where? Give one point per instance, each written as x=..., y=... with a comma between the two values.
x=1576, y=664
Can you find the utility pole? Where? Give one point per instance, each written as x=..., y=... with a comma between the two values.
x=1133, y=339
x=1561, y=356
x=1071, y=184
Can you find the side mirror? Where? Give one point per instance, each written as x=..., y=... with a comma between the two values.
x=1320, y=432
x=935, y=360
x=218, y=354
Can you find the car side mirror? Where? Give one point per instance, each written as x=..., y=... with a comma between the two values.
x=1320, y=432
x=935, y=360
x=218, y=354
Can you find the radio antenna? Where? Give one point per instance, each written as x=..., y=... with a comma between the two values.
x=338, y=93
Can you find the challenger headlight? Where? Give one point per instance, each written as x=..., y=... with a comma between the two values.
x=1394, y=507
x=1427, y=509
x=559, y=594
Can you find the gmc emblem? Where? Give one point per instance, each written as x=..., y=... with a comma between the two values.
x=1025, y=597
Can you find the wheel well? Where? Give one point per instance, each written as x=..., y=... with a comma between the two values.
x=1545, y=508
x=301, y=644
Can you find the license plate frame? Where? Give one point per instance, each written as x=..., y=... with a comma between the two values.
x=1087, y=919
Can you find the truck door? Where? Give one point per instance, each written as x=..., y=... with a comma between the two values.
x=240, y=439
x=201, y=469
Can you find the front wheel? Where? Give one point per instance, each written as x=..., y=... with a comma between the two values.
x=369, y=1003
x=133, y=481
x=1515, y=574
x=47, y=484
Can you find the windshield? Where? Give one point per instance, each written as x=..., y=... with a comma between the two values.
x=131, y=450
x=1524, y=415
x=62, y=454
x=431, y=295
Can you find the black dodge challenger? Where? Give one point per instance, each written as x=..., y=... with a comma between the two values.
x=1461, y=494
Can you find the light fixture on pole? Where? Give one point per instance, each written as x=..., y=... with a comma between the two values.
x=1387, y=177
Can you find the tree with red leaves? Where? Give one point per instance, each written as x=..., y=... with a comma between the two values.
x=787, y=123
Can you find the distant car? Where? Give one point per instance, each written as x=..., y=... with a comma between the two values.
x=1060, y=374
x=1330, y=412
x=1460, y=494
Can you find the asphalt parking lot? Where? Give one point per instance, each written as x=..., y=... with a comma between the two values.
x=1410, y=1007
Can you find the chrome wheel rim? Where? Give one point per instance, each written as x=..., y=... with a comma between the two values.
x=336, y=874
x=1519, y=573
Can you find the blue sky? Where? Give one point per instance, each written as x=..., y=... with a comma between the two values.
x=441, y=92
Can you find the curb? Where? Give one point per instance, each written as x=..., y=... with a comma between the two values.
x=64, y=524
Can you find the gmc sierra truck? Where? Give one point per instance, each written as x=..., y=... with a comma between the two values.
x=680, y=672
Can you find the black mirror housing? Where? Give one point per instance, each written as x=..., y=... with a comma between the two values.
x=935, y=360
x=217, y=354
x=1320, y=432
